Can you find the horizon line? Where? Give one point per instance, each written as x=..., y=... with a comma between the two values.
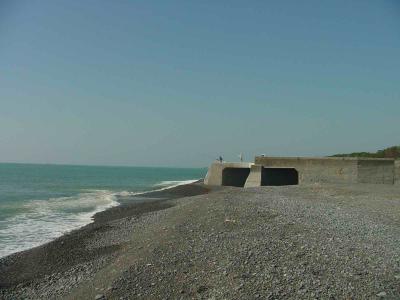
x=96, y=165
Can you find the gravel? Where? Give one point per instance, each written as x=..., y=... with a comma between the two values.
x=294, y=242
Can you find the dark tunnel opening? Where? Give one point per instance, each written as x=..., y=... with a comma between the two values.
x=235, y=176
x=279, y=176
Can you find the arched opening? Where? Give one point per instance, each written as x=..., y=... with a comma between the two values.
x=235, y=176
x=279, y=176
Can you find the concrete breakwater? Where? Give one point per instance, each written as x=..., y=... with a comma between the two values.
x=275, y=171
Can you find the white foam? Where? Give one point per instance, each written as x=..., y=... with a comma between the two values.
x=175, y=183
x=163, y=185
x=166, y=185
x=45, y=220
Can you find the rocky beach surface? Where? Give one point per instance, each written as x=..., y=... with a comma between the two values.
x=192, y=242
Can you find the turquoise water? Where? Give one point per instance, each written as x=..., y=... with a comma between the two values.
x=41, y=202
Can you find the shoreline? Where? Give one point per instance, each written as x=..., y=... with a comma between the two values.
x=289, y=242
x=121, y=199
x=60, y=254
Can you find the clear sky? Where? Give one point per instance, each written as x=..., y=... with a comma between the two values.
x=177, y=83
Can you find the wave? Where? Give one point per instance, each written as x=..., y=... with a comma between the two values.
x=174, y=183
x=45, y=220
x=42, y=221
x=161, y=186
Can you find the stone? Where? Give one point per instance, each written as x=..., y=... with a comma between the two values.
x=381, y=294
x=202, y=289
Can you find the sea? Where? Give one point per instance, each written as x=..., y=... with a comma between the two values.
x=39, y=203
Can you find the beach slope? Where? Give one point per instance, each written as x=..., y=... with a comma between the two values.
x=297, y=242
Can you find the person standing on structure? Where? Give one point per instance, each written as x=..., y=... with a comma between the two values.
x=241, y=157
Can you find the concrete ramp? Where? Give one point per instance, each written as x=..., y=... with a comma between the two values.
x=255, y=176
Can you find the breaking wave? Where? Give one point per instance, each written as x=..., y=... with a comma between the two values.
x=45, y=220
x=42, y=221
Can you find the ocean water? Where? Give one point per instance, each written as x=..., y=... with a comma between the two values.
x=39, y=203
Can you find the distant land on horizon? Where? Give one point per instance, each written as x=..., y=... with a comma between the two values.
x=390, y=152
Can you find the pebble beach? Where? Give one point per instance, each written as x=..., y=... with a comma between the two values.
x=196, y=242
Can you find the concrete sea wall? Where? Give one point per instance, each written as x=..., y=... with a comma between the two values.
x=298, y=170
x=376, y=171
x=397, y=171
x=335, y=169
x=311, y=170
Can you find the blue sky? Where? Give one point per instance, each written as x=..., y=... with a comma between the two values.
x=177, y=83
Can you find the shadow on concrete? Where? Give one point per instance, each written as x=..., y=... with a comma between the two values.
x=279, y=176
x=235, y=176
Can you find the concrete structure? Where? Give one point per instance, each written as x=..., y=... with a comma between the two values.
x=297, y=170
x=255, y=176
x=376, y=171
x=231, y=174
x=335, y=169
